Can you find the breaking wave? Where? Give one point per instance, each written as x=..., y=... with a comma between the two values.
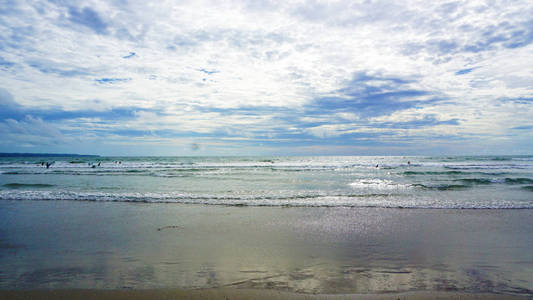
x=377, y=200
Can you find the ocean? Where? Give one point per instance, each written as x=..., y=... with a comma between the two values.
x=314, y=225
x=345, y=181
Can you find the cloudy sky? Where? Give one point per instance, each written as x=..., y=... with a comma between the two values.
x=263, y=77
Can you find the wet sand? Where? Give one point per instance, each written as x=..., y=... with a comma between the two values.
x=85, y=249
x=237, y=294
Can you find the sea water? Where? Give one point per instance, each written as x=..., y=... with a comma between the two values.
x=305, y=224
x=455, y=182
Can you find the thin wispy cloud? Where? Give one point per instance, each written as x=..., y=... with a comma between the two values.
x=316, y=77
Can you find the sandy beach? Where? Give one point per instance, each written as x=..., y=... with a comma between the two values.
x=85, y=249
x=237, y=294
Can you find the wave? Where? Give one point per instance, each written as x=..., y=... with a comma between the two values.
x=111, y=172
x=501, y=158
x=286, y=166
x=454, y=172
x=518, y=180
x=175, y=172
x=488, y=166
x=472, y=181
x=380, y=184
x=170, y=197
x=528, y=188
x=27, y=185
x=480, y=158
x=524, y=158
x=434, y=172
x=353, y=200
x=443, y=187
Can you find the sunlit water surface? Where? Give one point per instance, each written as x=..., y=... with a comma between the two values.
x=303, y=224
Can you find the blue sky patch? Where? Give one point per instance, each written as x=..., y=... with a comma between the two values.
x=464, y=71
x=107, y=80
x=370, y=96
x=89, y=18
x=132, y=54
x=6, y=64
x=208, y=72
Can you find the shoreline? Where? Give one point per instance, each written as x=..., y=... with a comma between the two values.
x=274, y=206
x=236, y=294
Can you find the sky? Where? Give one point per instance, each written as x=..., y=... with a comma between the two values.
x=266, y=78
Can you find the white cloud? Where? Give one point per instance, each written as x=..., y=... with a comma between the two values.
x=269, y=54
x=29, y=131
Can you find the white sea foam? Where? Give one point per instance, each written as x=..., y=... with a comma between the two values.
x=378, y=184
x=354, y=200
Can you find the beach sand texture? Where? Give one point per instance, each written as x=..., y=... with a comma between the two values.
x=236, y=294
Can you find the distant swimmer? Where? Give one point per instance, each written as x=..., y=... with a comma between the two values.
x=93, y=166
x=377, y=166
x=98, y=163
x=48, y=165
x=408, y=163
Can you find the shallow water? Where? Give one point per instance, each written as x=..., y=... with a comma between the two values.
x=347, y=181
x=66, y=244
